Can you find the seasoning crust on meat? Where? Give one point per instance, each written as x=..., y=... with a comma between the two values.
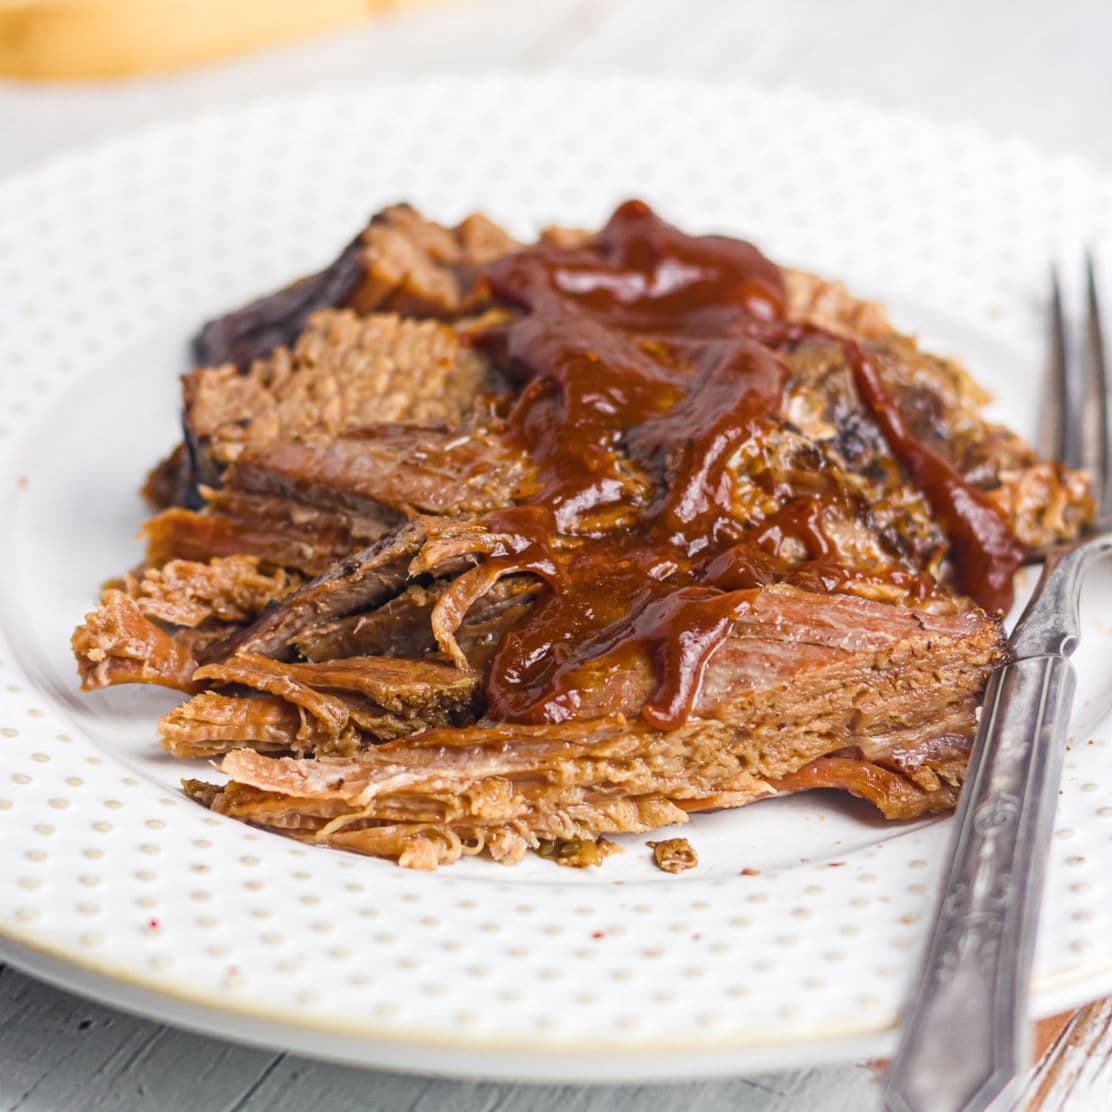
x=475, y=547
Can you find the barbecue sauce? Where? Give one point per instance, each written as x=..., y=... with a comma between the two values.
x=984, y=552
x=650, y=345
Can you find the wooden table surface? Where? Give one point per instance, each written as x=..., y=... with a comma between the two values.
x=1035, y=68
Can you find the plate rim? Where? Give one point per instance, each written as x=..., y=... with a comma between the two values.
x=475, y=1059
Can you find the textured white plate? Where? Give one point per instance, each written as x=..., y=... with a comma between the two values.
x=112, y=882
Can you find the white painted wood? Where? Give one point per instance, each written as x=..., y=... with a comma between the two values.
x=58, y=1052
x=1077, y=1073
x=1028, y=67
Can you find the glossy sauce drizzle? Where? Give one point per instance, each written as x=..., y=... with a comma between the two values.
x=647, y=345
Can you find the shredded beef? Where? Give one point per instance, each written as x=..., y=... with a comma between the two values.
x=361, y=581
x=429, y=798
x=229, y=589
x=116, y=644
x=370, y=516
x=277, y=531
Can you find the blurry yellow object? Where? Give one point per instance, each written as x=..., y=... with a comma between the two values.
x=59, y=39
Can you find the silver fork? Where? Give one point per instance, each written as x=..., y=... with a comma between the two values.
x=965, y=1039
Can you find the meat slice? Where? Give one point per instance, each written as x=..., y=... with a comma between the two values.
x=403, y=626
x=332, y=707
x=415, y=266
x=277, y=531
x=396, y=684
x=802, y=678
x=212, y=723
x=342, y=373
x=399, y=627
x=389, y=466
x=858, y=656
x=303, y=504
x=224, y=589
x=896, y=796
x=360, y=581
x=400, y=262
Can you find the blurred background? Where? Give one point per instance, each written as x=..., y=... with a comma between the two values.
x=72, y=71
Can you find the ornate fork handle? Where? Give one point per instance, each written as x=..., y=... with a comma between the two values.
x=965, y=1033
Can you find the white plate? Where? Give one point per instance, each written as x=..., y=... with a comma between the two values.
x=112, y=882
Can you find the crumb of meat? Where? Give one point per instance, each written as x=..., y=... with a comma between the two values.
x=577, y=853
x=674, y=855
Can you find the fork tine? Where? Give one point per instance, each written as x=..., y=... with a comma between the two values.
x=1063, y=397
x=1099, y=455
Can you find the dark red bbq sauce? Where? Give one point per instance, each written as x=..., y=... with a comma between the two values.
x=983, y=549
x=650, y=345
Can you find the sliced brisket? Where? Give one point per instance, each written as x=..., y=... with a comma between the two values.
x=400, y=263
x=361, y=581
x=392, y=467
x=335, y=707
x=342, y=373
x=783, y=698
x=604, y=532
x=277, y=531
x=403, y=625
